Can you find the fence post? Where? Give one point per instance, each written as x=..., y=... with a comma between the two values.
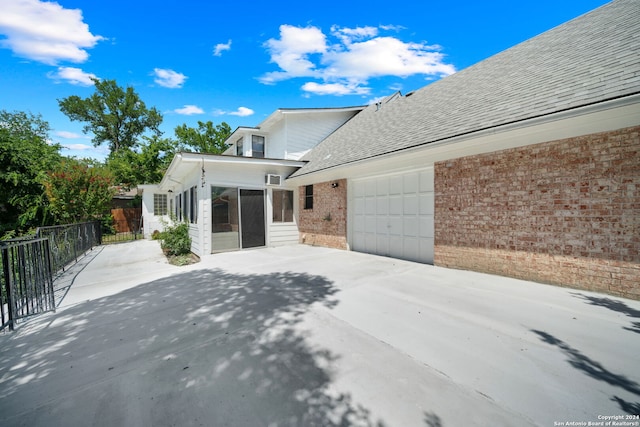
x=49, y=272
x=7, y=281
x=98, y=227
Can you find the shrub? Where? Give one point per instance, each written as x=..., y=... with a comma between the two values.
x=176, y=240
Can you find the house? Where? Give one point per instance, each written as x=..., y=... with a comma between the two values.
x=526, y=164
x=240, y=199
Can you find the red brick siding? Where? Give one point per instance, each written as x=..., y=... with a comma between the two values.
x=564, y=212
x=326, y=223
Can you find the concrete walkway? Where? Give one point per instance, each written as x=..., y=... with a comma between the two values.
x=299, y=336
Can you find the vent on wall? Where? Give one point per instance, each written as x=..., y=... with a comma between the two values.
x=273, y=179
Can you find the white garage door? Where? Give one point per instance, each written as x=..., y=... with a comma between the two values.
x=392, y=215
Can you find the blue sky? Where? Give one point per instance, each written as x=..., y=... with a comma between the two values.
x=239, y=61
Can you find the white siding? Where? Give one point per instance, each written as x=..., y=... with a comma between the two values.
x=276, y=141
x=152, y=222
x=196, y=243
x=281, y=234
x=305, y=131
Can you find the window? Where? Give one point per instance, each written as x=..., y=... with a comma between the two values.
x=308, y=197
x=239, y=151
x=282, y=206
x=185, y=206
x=159, y=204
x=193, y=197
x=257, y=146
x=179, y=207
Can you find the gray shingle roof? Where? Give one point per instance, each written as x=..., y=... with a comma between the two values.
x=589, y=59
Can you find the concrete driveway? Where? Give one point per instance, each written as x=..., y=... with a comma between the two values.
x=301, y=336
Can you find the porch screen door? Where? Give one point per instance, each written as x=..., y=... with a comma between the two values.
x=252, y=218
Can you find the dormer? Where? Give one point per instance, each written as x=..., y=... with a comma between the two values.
x=288, y=133
x=247, y=142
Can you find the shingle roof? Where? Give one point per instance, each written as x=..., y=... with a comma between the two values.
x=592, y=58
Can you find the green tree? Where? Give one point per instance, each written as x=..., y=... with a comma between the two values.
x=25, y=157
x=145, y=165
x=206, y=138
x=113, y=114
x=79, y=191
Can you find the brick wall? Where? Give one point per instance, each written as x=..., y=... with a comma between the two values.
x=564, y=212
x=326, y=223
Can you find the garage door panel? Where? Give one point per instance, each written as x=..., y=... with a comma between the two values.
x=395, y=247
x=426, y=204
x=358, y=205
x=382, y=225
x=370, y=243
x=395, y=205
x=382, y=245
x=410, y=226
x=410, y=249
x=410, y=183
x=370, y=206
x=426, y=250
x=382, y=206
x=395, y=225
x=410, y=204
x=370, y=223
x=426, y=226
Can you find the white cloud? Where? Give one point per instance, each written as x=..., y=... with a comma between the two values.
x=348, y=35
x=168, y=78
x=74, y=76
x=70, y=135
x=45, y=31
x=189, y=110
x=345, y=67
x=77, y=147
x=292, y=52
x=221, y=47
x=335, y=89
x=242, y=112
x=386, y=56
x=392, y=27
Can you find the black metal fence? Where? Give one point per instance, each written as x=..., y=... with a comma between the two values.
x=68, y=242
x=27, y=280
x=123, y=231
x=126, y=225
x=28, y=266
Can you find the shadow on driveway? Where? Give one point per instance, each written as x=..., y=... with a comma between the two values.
x=597, y=371
x=614, y=305
x=204, y=347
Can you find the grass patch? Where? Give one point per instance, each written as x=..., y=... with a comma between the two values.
x=117, y=238
x=184, y=259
